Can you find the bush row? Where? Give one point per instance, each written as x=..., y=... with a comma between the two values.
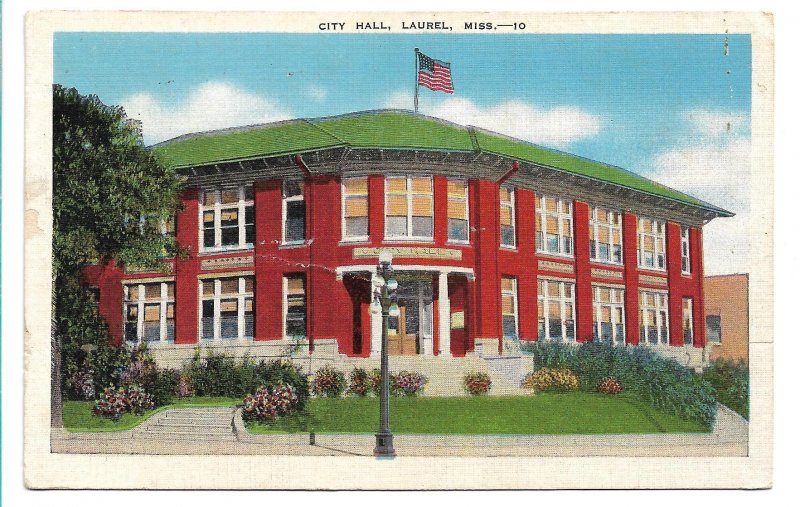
x=661, y=382
x=331, y=383
x=731, y=380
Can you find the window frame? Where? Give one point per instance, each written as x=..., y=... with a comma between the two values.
x=163, y=301
x=345, y=236
x=686, y=253
x=541, y=226
x=241, y=297
x=217, y=208
x=513, y=294
x=616, y=306
x=594, y=232
x=662, y=318
x=512, y=205
x=285, y=210
x=688, y=309
x=659, y=238
x=286, y=297
x=465, y=200
x=719, y=327
x=409, y=195
x=544, y=299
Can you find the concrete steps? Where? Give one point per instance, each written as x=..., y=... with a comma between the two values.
x=191, y=424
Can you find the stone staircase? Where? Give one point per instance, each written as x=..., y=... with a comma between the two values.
x=191, y=425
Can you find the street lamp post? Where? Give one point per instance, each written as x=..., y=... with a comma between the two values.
x=385, y=301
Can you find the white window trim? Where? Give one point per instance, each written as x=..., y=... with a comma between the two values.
x=615, y=304
x=659, y=324
x=691, y=319
x=657, y=238
x=686, y=252
x=466, y=208
x=513, y=294
x=242, y=205
x=285, y=312
x=345, y=237
x=560, y=217
x=284, y=201
x=596, y=226
x=240, y=297
x=409, y=193
x=562, y=301
x=513, y=205
x=163, y=301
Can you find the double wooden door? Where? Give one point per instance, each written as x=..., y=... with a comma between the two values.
x=400, y=341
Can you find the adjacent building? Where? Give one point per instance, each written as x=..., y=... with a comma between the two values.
x=494, y=240
x=727, y=314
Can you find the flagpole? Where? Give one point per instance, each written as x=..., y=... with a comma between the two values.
x=416, y=80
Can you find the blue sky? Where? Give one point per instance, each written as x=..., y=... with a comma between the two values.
x=672, y=107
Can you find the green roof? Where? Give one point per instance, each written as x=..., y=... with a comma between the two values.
x=393, y=129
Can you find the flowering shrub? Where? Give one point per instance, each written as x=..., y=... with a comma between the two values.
x=328, y=382
x=551, y=379
x=408, y=383
x=359, y=382
x=268, y=403
x=477, y=383
x=184, y=387
x=375, y=381
x=83, y=384
x=609, y=385
x=114, y=402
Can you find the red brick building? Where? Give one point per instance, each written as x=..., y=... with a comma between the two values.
x=494, y=240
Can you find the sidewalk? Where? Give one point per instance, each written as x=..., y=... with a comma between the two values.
x=729, y=438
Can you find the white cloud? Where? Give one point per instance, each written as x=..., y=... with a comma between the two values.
x=316, y=93
x=715, y=126
x=212, y=105
x=557, y=127
x=717, y=172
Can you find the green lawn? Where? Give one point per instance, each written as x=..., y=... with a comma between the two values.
x=564, y=413
x=78, y=414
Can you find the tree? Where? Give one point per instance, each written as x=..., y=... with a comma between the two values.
x=110, y=193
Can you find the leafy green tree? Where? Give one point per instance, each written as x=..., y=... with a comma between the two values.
x=111, y=196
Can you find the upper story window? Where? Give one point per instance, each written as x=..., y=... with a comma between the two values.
x=686, y=266
x=228, y=218
x=457, y=211
x=654, y=320
x=355, y=207
x=409, y=207
x=651, y=244
x=609, y=315
x=553, y=225
x=508, y=236
x=227, y=308
x=149, y=312
x=294, y=212
x=605, y=236
x=556, y=310
x=508, y=295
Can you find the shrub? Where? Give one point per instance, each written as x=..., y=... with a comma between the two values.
x=408, y=383
x=83, y=384
x=114, y=402
x=551, y=379
x=137, y=400
x=661, y=382
x=184, y=387
x=375, y=381
x=328, y=382
x=285, y=372
x=609, y=385
x=359, y=382
x=269, y=402
x=477, y=383
x=731, y=380
x=163, y=387
x=215, y=375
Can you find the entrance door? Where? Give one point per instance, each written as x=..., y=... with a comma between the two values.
x=401, y=341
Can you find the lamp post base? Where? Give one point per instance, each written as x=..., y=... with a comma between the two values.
x=384, y=446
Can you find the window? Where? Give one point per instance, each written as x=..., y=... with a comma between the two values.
x=227, y=308
x=508, y=237
x=508, y=296
x=651, y=244
x=609, y=315
x=714, y=328
x=654, y=321
x=605, y=236
x=355, y=207
x=149, y=312
x=294, y=288
x=553, y=225
x=228, y=218
x=409, y=207
x=294, y=212
x=686, y=266
x=688, y=324
x=556, y=310
x=457, y=211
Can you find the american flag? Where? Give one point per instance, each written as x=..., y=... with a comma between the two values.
x=434, y=74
